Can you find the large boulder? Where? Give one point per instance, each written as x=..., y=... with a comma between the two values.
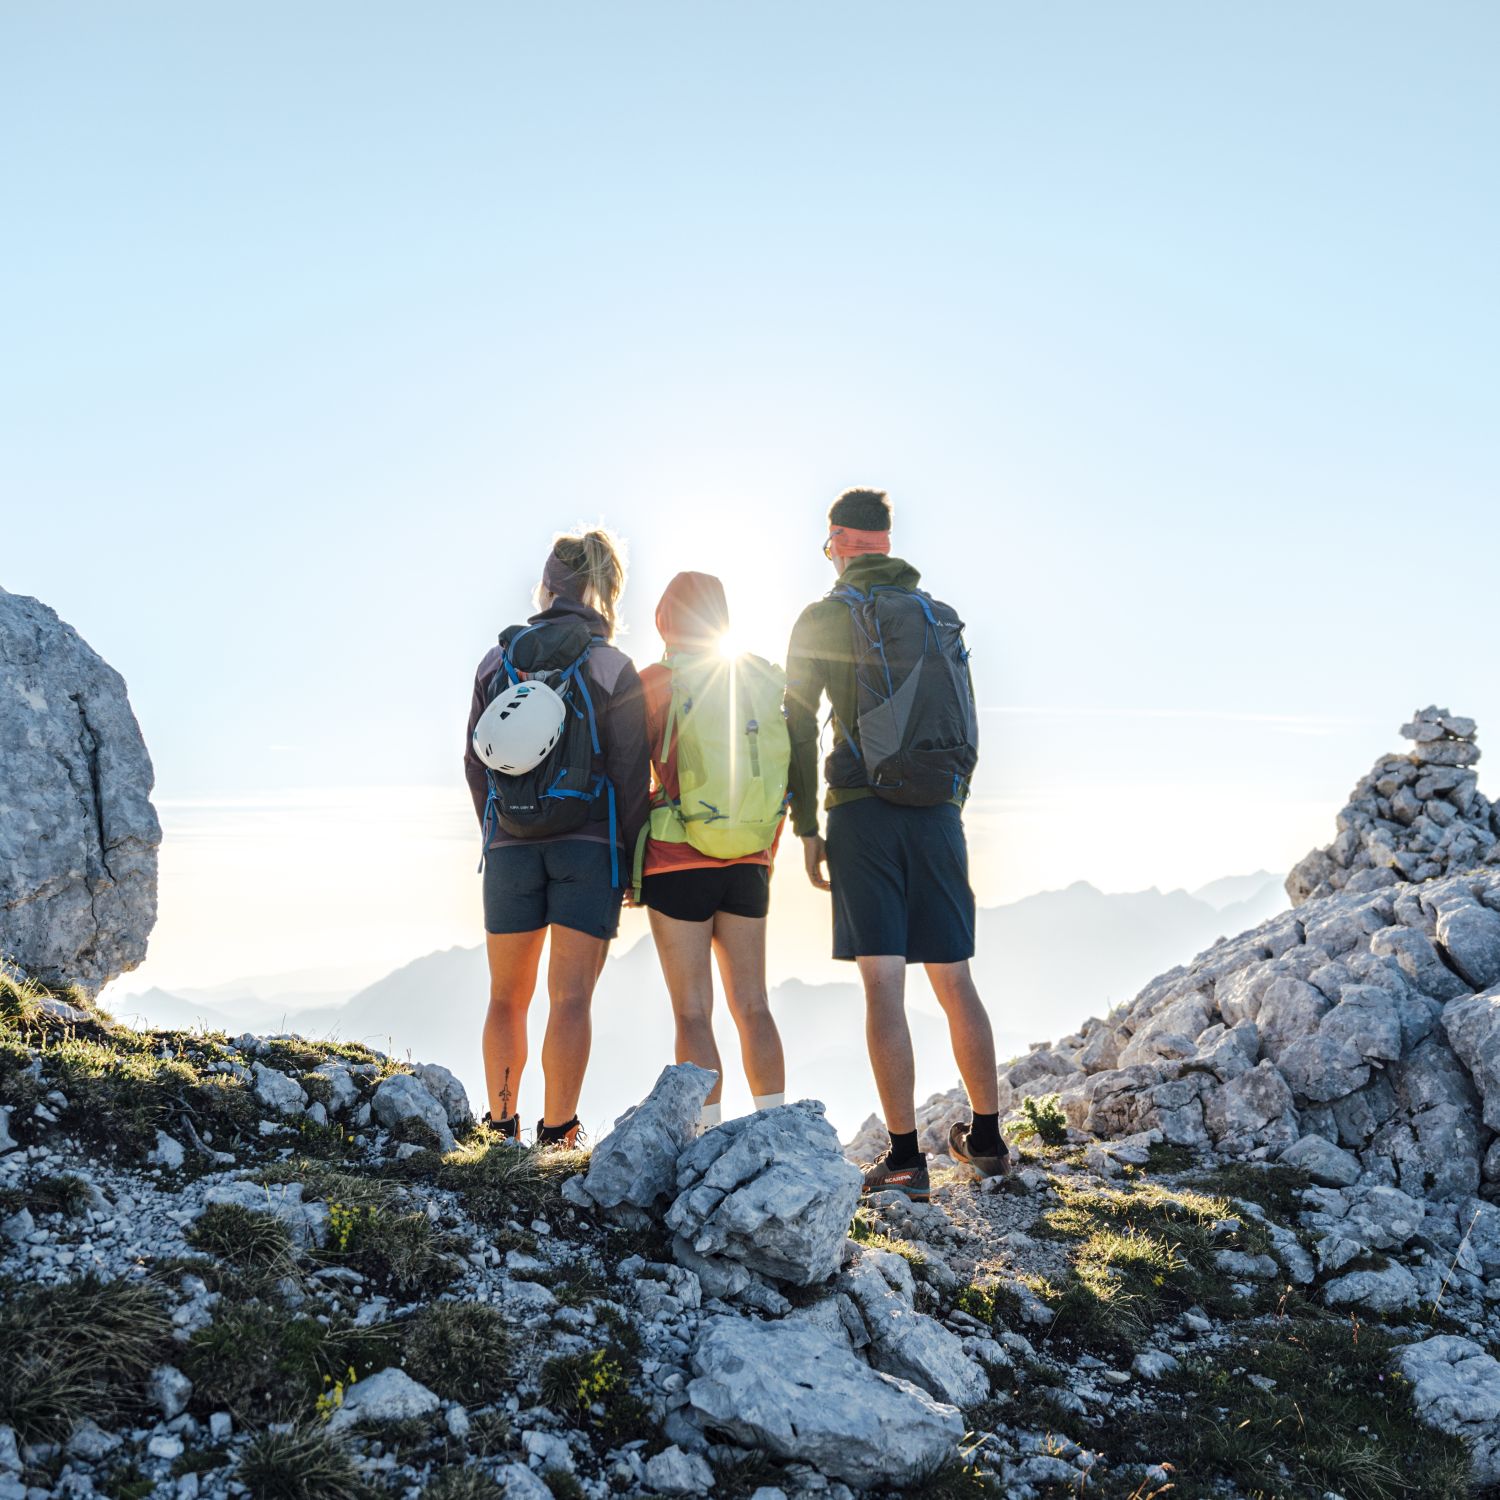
x=789, y=1390
x=770, y=1190
x=1473, y=1027
x=906, y=1342
x=1456, y=1388
x=635, y=1165
x=78, y=834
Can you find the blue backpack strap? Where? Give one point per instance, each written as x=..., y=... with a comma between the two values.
x=490, y=821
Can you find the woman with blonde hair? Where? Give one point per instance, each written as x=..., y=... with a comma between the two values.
x=557, y=761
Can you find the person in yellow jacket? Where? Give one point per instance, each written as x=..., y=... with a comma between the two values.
x=711, y=906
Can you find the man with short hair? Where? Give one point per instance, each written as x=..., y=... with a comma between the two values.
x=891, y=661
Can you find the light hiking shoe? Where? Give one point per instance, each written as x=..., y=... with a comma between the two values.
x=911, y=1181
x=984, y=1163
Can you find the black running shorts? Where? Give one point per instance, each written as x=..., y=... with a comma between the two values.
x=697, y=895
x=900, y=880
x=566, y=881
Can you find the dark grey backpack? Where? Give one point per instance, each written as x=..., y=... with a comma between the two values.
x=916, y=728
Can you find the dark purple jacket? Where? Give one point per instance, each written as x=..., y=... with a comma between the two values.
x=619, y=712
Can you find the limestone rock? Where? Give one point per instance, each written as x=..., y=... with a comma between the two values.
x=770, y=1190
x=78, y=834
x=448, y=1091
x=169, y=1390
x=389, y=1395
x=1414, y=817
x=792, y=1392
x=279, y=1092
x=1456, y=1388
x=308, y=1222
x=1391, y=1289
x=673, y=1472
x=1324, y=1162
x=635, y=1165
x=905, y=1342
x=402, y=1098
x=1473, y=1027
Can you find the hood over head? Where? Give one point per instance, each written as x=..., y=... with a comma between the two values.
x=693, y=613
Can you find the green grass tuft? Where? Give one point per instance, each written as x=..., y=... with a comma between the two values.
x=461, y=1350
x=593, y=1389
x=253, y=1242
x=82, y=1348
x=498, y=1183
x=260, y=1363
x=1337, y=1420
x=303, y=1464
x=1138, y=1253
x=462, y=1484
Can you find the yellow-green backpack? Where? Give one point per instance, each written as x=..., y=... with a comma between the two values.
x=733, y=752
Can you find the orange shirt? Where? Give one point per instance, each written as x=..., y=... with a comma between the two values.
x=663, y=858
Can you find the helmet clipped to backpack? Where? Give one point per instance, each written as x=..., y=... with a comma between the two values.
x=516, y=733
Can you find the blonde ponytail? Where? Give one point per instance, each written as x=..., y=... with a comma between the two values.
x=597, y=559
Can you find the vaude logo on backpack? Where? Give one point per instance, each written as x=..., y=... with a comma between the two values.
x=568, y=788
x=916, y=729
x=732, y=757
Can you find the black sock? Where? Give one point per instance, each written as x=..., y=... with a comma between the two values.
x=546, y=1133
x=904, y=1149
x=984, y=1135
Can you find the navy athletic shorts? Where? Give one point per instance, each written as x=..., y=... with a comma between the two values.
x=527, y=886
x=900, y=880
x=696, y=895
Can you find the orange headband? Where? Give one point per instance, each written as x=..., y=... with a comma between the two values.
x=845, y=541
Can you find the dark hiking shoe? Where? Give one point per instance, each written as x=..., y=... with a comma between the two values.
x=911, y=1179
x=508, y=1128
x=567, y=1137
x=985, y=1163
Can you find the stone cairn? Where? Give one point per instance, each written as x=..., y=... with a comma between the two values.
x=1413, y=818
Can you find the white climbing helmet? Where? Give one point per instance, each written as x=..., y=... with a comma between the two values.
x=516, y=733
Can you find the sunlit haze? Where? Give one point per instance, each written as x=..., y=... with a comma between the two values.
x=1169, y=329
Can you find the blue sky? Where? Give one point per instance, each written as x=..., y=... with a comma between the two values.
x=1170, y=327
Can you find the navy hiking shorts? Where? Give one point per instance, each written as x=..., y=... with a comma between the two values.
x=567, y=881
x=900, y=880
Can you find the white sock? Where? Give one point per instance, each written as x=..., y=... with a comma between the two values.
x=769, y=1101
x=711, y=1115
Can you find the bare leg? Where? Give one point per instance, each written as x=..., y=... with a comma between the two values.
x=740, y=947
x=684, y=948
x=572, y=972
x=514, y=957
x=969, y=1028
x=889, y=1040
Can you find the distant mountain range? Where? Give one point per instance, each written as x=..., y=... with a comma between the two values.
x=1044, y=964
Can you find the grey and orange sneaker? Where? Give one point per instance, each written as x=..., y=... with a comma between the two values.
x=910, y=1179
x=984, y=1163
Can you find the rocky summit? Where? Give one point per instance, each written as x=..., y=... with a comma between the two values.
x=1250, y=1247
x=78, y=834
x=1412, y=818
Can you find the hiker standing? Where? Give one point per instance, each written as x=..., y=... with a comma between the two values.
x=892, y=663
x=557, y=764
x=719, y=752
